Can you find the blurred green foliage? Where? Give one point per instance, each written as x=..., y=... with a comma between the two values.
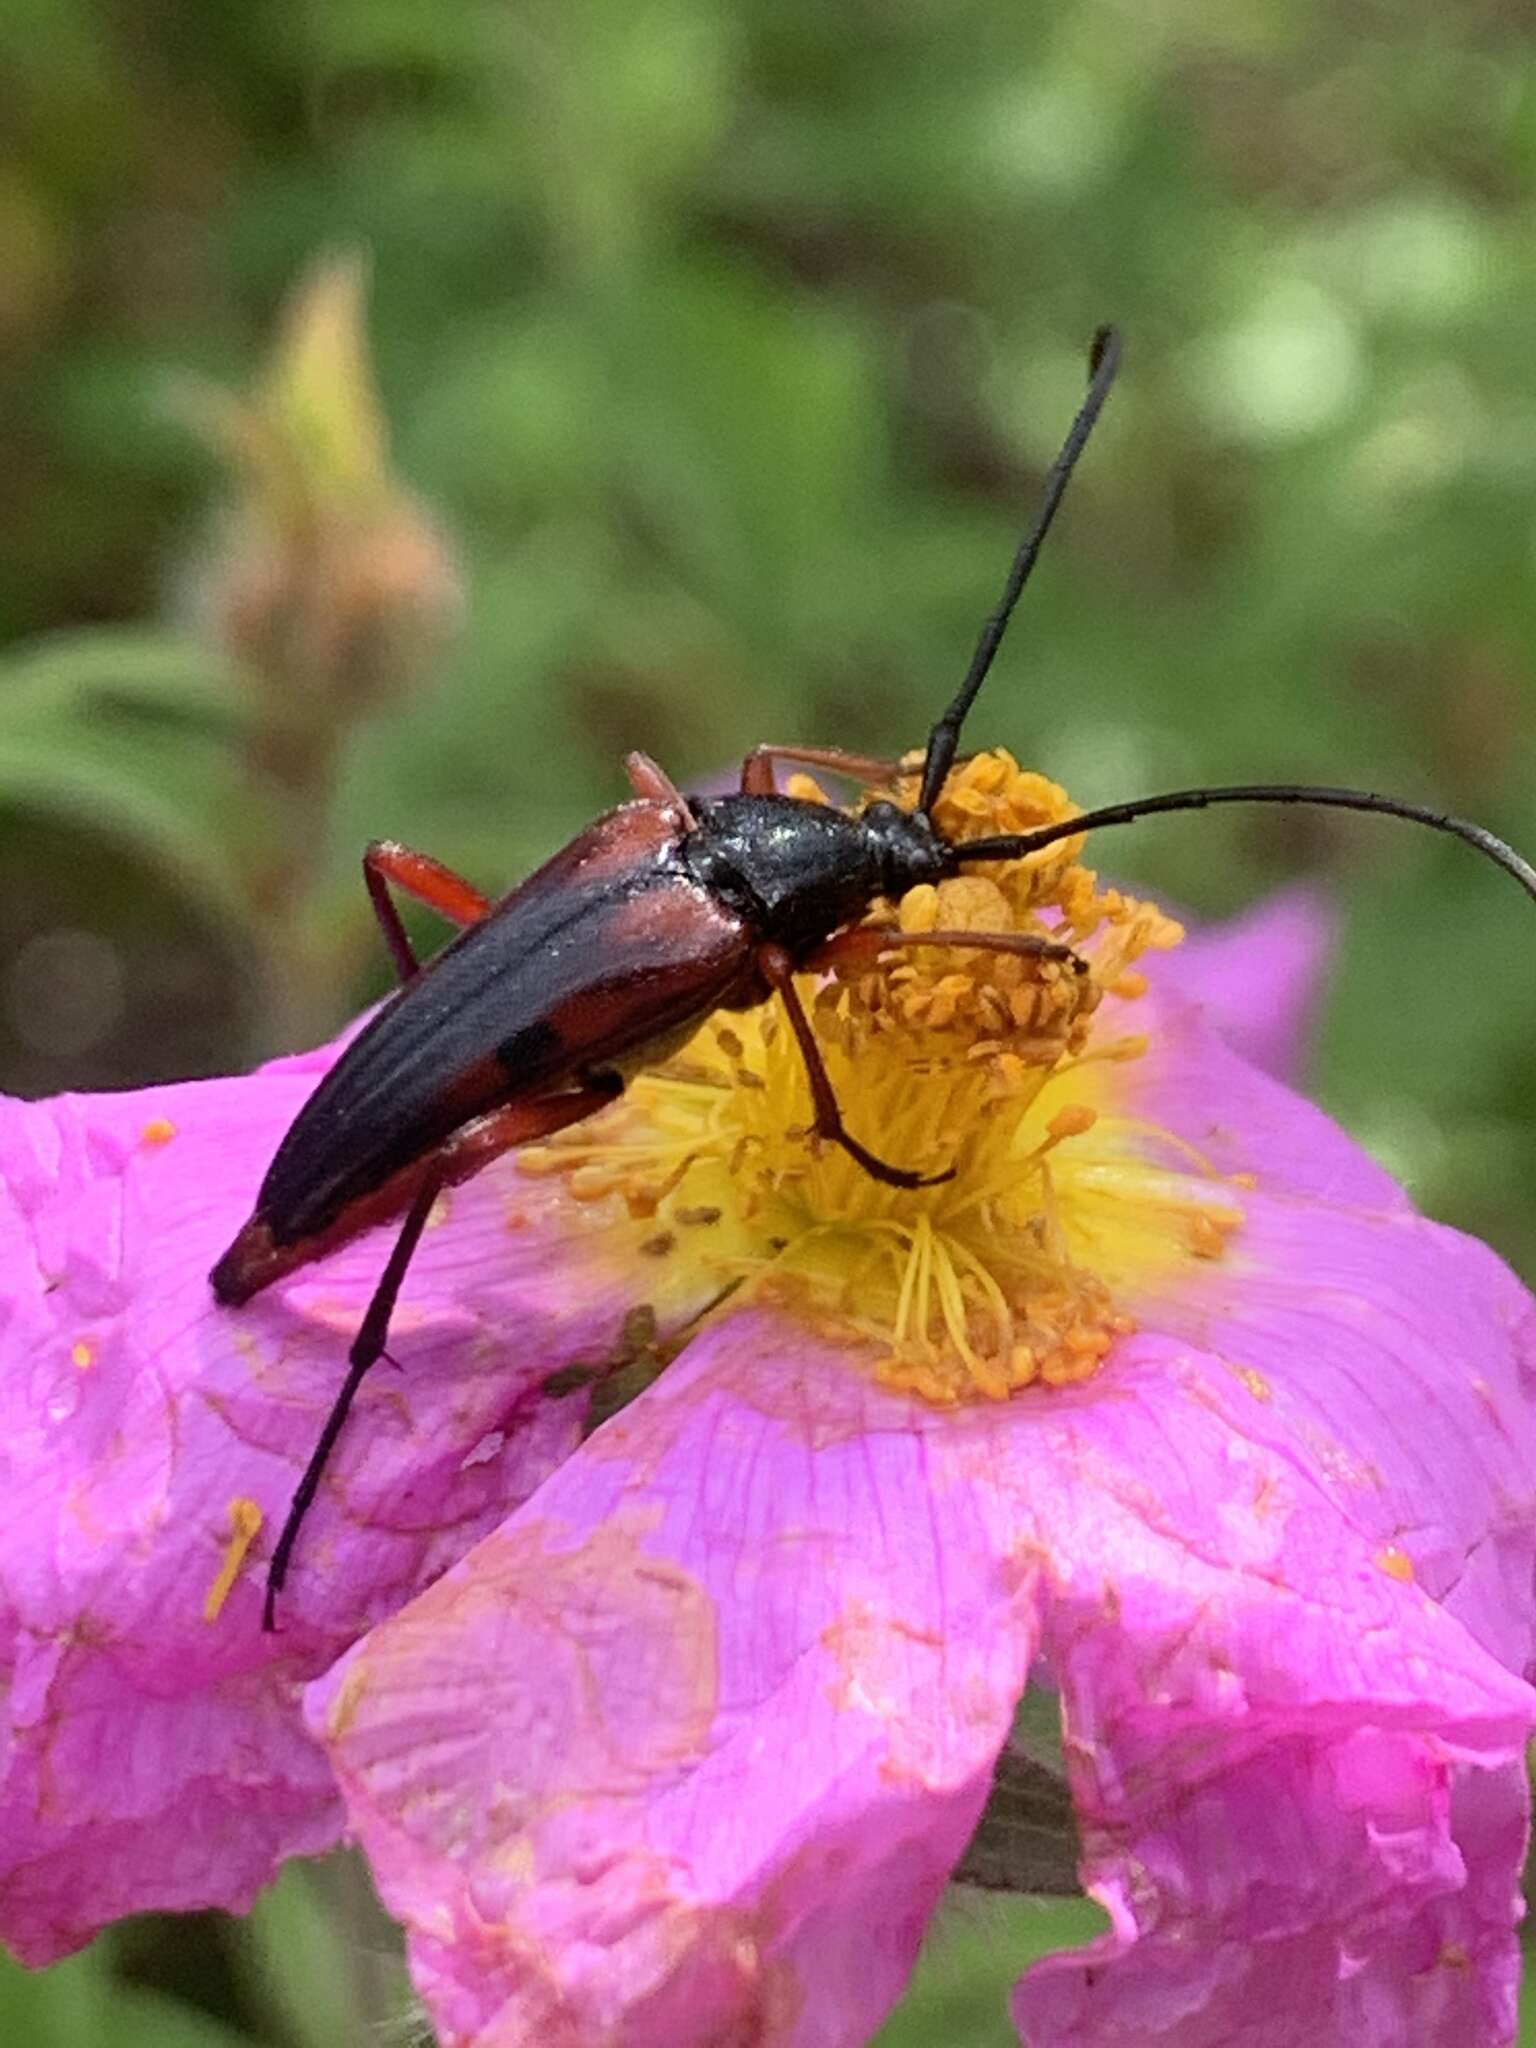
x=728, y=339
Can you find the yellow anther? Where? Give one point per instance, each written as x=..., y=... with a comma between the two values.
x=245, y=1519
x=1071, y=1122
x=1207, y=1238
x=919, y=909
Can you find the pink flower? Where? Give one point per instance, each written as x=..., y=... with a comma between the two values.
x=1186, y=1411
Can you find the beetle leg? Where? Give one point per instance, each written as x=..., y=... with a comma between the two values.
x=386, y=861
x=647, y=778
x=869, y=941
x=367, y=1348
x=486, y=1137
x=470, y=1148
x=777, y=969
x=757, y=768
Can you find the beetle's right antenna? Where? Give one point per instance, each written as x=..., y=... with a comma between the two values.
x=1103, y=362
x=1019, y=845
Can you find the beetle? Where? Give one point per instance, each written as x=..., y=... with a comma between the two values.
x=608, y=958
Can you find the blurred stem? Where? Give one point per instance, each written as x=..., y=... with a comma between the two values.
x=291, y=646
x=296, y=757
x=331, y=590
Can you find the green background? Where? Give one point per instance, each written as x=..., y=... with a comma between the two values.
x=722, y=348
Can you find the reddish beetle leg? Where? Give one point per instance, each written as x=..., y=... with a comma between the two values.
x=386, y=861
x=866, y=942
x=757, y=768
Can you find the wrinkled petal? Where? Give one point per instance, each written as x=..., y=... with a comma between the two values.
x=1260, y=977
x=686, y=1751
x=152, y=1755
x=1399, y=1355
x=1415, y=1860
x=1372, y=1360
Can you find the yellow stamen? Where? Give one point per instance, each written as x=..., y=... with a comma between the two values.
x=245, y=1520
x=1004, y=1275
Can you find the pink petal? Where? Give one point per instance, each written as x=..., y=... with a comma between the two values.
x=1191, y=1084
x=1298, y=1779
x=1420, y=1860
x=686, y=1751
x=1260, y=977
x=1399, y=1355
x=1285, y=1857
x=151, y=1756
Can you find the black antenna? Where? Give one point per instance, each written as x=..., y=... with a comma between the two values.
x=1015, y=845
x=1103, y=362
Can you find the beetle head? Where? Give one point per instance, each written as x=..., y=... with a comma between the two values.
x=907, y=848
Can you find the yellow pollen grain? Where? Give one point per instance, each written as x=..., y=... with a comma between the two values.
x=82, y=1355
x=245, y=1519
x=1397, y=1564
x=975, y=1067
x=1255, y=1382
x=158, y=1131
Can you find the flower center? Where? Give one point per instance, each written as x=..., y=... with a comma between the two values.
x=988, y=1063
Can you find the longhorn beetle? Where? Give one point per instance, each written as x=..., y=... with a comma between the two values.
x=608, y=958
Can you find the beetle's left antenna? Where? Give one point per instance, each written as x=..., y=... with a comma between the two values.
x=1103, y=362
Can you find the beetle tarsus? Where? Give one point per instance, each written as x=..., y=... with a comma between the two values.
x=880, y=1169
x=778, y=971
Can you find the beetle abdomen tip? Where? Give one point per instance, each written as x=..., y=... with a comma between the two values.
x=246, y=1267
